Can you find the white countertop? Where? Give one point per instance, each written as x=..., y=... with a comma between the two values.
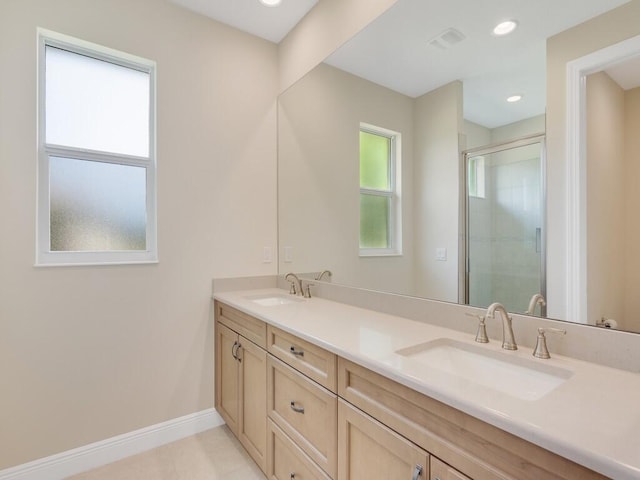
x=593, y=418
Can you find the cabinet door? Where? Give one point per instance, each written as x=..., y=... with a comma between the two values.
x=442, y=471
x=227, y=376
x=253, y=400
x=367, y=450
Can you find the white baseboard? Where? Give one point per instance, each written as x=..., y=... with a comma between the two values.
x=71, y=462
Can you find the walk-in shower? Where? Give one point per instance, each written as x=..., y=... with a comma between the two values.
x=505, y=224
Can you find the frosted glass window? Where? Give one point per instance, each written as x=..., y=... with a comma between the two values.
x=375, y=161
x=96, y=157
x=97, y=206
x=374, y=221
x=379, y=205
x=96, y=105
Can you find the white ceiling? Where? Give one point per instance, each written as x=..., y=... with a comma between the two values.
x=270, y=23
x=394, y=50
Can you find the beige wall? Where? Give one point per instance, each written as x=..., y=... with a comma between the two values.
x=319, y=121
x=438, y=125
x=515, y=130
x=327, y=26
x=632, y=219
x=605, y=198
x=87, y=353
x=602, y=31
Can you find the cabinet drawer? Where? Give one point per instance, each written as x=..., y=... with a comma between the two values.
x=249, y=327
x=476, y=448
x=315, y=362
x=305, y=411
x=286, y=461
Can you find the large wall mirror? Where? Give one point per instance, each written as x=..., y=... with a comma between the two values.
x=403, y=168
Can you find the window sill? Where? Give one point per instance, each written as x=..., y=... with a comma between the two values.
x=379, y=253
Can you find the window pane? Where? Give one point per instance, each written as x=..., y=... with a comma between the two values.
x=95, y=104
x=374, y=161
x=97, y=206
x=374, y=221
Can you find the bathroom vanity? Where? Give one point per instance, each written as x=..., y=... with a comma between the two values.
x=316, y=389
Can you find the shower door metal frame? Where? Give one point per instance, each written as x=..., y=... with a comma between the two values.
x=464, y=207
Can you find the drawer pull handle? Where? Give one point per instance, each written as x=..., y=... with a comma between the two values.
x=233, y=349
x=296, y=409
x=238, y=352
x=299, y=353
x=417, y=472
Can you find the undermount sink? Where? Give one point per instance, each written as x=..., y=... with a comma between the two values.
x=270, y=300
x=516, y=376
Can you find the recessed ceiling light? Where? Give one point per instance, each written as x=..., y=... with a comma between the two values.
x=505, y=28
x=271, y=3
x=514, y=98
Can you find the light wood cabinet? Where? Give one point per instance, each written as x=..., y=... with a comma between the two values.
x=241, y=388
x=305, y=411
x=472, y=446
x=370, y=451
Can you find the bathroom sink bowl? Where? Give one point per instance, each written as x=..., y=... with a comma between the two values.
x=516, y=376
x=270, y=300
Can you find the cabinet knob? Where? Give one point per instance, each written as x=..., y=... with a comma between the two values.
x=417, y=472
x=299, y=353
x=296, y=408
x=293, y=475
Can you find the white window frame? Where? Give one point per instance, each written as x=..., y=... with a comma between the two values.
x=394, y=194
x=476, y=184
x=44, y=255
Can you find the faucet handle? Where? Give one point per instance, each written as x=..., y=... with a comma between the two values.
x=481, y=334
x=541, y=350
x=292, y=289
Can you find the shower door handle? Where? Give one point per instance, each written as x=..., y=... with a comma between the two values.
x=538, y=240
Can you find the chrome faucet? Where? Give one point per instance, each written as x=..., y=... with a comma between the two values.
x=508, y=341
x=323, y=273
x=296, y=284
x=535, y=300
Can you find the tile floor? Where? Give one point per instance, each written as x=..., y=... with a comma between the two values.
x=211, y=455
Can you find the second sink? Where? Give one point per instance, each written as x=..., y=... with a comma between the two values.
x=518, y=377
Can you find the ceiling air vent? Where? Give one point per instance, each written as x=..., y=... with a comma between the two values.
x=447, y=39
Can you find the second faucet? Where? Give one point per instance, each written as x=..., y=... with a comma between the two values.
x=508, y=340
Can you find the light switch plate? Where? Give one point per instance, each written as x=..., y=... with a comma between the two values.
x=288, y=254
x=441, y=254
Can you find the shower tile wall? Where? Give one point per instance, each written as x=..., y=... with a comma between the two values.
x=504, y=253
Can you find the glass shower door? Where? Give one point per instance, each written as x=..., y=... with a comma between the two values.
x=505, y=258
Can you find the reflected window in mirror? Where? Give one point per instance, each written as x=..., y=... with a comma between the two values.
x=379, y=191
x=475, y=175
